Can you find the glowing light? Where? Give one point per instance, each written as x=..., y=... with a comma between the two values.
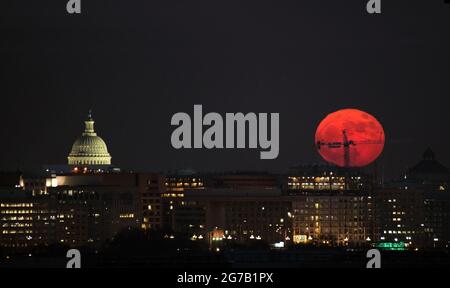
x=279, y=245
x=400, y=246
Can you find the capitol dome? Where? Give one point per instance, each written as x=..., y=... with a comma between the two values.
x=89, y=149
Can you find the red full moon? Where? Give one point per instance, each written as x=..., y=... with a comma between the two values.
x=350, y=138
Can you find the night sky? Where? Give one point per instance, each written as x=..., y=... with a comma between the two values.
x=137, y=62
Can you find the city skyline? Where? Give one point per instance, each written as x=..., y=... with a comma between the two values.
x=88, y=201
x=320, y=210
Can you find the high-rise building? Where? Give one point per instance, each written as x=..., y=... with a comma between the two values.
x=24, y=221
x=415, y=210
x=75, y=210
x=226, y=207
x=399, y=217
x=151, y=188
x=330, y=206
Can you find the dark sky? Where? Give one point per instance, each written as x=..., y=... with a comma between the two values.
x=137, y=62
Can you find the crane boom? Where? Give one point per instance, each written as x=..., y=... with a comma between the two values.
x=345, y=144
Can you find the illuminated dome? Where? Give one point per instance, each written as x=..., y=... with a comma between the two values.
x=89, y=149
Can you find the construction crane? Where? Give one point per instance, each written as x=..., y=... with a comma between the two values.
x=345, y=144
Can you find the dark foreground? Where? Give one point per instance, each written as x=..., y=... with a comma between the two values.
x=260, y=259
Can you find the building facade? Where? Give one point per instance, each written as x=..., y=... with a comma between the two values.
x=415, y=210
x=331, y=206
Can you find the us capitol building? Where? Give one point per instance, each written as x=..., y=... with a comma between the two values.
x=89, y=149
